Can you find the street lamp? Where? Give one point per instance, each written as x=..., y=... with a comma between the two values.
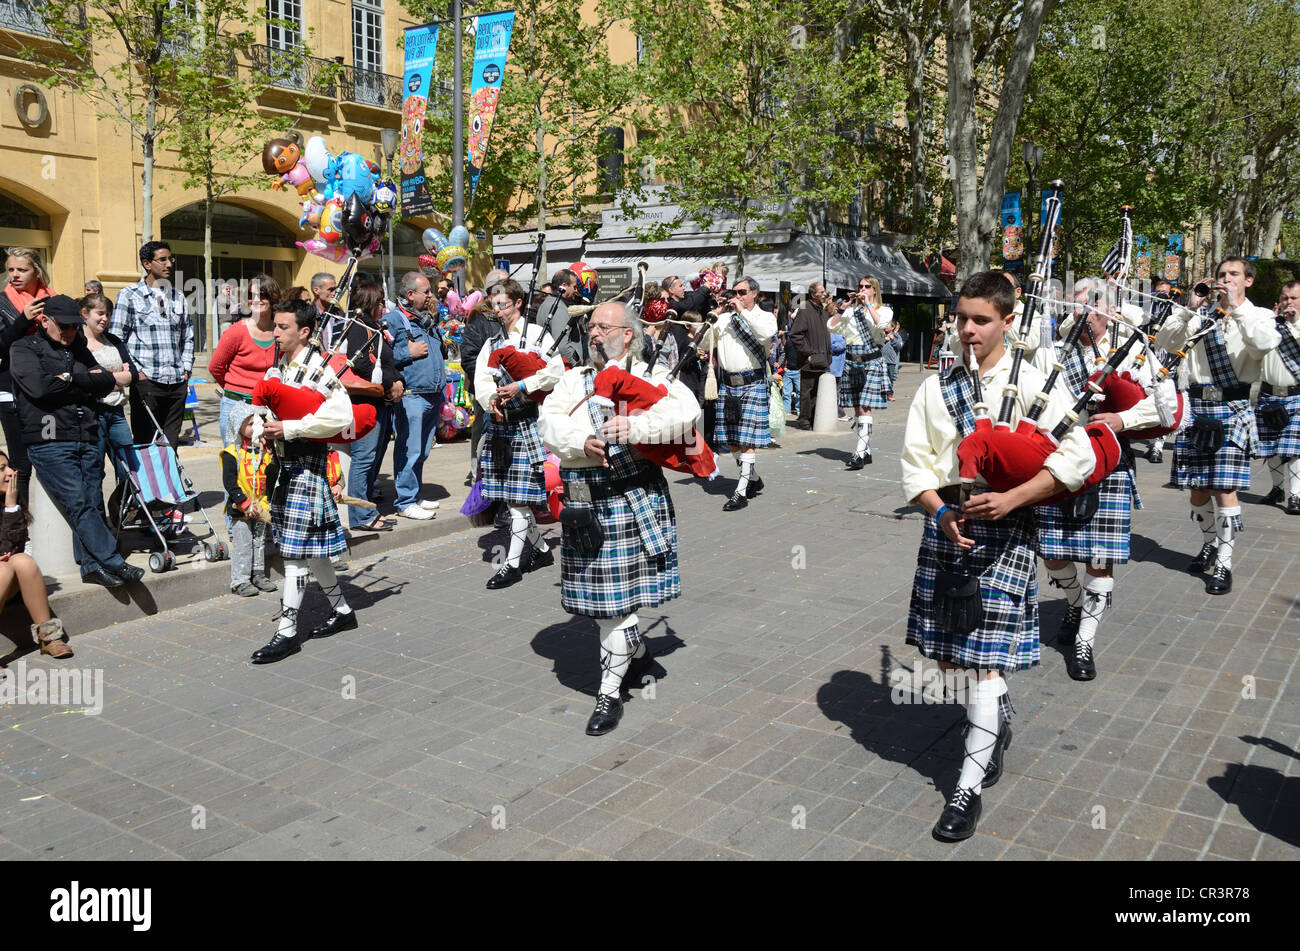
x=390, y=138
x=1033, y=162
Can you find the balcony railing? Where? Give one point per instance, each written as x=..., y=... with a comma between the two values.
x=290, y=69
x=25, y=16
x=370, y=88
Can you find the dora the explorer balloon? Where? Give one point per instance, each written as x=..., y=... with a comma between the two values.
x=283, y=157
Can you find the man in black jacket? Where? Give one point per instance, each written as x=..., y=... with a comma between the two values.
x=810, y=341
x=57, y=383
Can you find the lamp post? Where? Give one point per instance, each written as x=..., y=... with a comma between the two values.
x=390, y=138
x=1033, y=162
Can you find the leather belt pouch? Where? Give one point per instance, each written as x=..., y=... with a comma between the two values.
x=583, y=529
x=958, y=607
x=1206, y=435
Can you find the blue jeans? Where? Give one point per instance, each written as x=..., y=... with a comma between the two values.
x=114, y=433
x=414, y=422
x=367, y=455
x=73, y=475
x=790, y=391
x=236, y=408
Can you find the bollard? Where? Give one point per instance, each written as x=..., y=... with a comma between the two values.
x=50, y=533
x=827, y=411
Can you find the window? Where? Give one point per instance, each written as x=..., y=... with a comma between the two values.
x=283, y=24
x=642, y=50
x=368, y=52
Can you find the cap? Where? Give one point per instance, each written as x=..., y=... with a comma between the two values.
x=63, y=310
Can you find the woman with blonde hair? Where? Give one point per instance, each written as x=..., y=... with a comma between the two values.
x=21, y=306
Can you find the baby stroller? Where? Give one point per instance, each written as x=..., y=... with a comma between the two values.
x=154, y=474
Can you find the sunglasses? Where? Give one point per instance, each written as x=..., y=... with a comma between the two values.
x=499, y=304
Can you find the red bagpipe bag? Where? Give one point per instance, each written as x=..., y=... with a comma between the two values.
x=297, y=402
x=1121, y=392
x=518, y=365
x=1008, y=457
x=628, y=394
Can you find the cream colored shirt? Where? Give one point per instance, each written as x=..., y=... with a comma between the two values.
x=732, y=355
x=485, y=384
x=1272, y=370
x=931, y=439
x=846, y=324
x=1141, y=415
x=565, y=426
x=1248, y=334
x=332, y=417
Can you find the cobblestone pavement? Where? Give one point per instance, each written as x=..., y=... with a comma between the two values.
x=451, y=724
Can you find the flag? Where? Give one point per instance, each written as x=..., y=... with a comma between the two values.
x=491, y=47
x=1116, y=261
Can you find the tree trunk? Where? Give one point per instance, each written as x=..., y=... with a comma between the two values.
x=541, y=191
x=740, y=238
x=1268, y=244
x=209, y=287
x=916, y=54
x=146, y=175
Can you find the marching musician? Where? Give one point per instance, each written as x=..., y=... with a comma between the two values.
x=1099, y=540
x=303, y=512
x=1212, y=455
x=618, y=552
x=990, y=538
x=1278, y=410
x=511, y=456
x=742, y=333
x=1160, y=289
x=864, y=384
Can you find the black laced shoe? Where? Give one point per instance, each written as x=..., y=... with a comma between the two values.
x=994, y=771
x=737, y=501
x=1069, y=629
x=755, y=486
x=857, y=462
x=1274, y=496
x=1202, y=561
x=960, y=817
x=1220, y=581
x=279, y=648
x=538, y=559
x=1079, y=665
x=1293, y=505
x=609, y=710
x=505, y=578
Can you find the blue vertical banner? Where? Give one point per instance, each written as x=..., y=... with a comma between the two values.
x=1173, y=258
x=1141, y=258
x=417, y=74
x=1013, y=228
x=491, y=45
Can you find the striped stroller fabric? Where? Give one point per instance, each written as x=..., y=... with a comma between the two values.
x=155, y=473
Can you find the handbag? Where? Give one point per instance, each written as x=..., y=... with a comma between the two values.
x=775, y=410
x=1274, y=416
x=582, y=528
x=1206, y=435
x=958, y=606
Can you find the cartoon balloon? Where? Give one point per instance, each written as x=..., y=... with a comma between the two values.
x=385, y=199
x=434, y=240
x=452, y=258
x=429, y=265
x=316, y=157
x=587, y=280
x=360, y=223
x=331, y=221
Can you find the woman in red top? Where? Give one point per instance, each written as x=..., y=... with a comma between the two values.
x=21, y=306
x=245, y=353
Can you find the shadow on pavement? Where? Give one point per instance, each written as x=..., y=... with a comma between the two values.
x=828, y=452
x=1142, y=548
x=1264, y=797
x=573, y=647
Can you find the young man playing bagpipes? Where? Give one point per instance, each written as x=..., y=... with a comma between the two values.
x=303, y=513
x=864, y=385
x=974, y=605
x=618, y=553
x=1212, y=456
x=511, y=456
x=1278, y=411
x=1094, y=528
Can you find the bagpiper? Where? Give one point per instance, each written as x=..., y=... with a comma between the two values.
x=864, y=384
x=1277, y=412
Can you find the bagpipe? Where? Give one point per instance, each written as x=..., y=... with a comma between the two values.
x=509, y=363
x=1121, y=391
x=1007, y=457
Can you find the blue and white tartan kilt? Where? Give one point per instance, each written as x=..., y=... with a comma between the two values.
x=523, y=482
x=1103, y=540
x=1229, y=468
x=621, y=577
x=307, y=524
x=1004, y=559
x=1279, y=442
x=865, y=386
x=754, y=429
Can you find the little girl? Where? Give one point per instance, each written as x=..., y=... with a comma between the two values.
x=247, y=475
x=19, y=572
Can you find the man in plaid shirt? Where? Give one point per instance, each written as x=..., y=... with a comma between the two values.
x=152, y=319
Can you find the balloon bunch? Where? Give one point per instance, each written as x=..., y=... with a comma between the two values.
x=344, y=202
x=447, y=254
x=461, y=309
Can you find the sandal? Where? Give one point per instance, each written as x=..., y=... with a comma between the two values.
x=378, y=524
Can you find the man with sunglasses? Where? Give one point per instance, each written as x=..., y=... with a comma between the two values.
x=742, y=332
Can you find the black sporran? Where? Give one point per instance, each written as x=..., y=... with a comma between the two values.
x=1206, y=435
x=1082, y=507
x=582, y=529
x=502, y=454
x=731, y=411
x=958, y=607
x=1274, y=416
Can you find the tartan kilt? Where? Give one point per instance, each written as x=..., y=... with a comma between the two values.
x=523, y=482
x=754, y=429
x=866, y=386
x=1283, y=442
x=306, y=522
x=621, y=577
x=1229, y=468
x=1103, y=540
x=1004, y=559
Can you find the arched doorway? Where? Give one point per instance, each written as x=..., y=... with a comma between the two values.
x=22, y=226
x=244, y=244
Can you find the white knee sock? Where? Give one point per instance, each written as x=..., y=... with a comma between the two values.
x=746, y=460
x=329, y=584
x=1096, y=599
x=1276, y=470
x=518, y=532
x=296, y=576
x=1227, y=530
x=864, y=435
x=1293, y=475
x=535, y=534
x=616, y=651
x=1067, y=579
x=983, y=722
x=1203, y=515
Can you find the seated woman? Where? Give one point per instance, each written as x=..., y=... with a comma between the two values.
x=19, y=573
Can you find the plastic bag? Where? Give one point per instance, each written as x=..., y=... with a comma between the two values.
x=776, y=410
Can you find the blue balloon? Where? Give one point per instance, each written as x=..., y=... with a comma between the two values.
x=434, y=240
x=459, y=236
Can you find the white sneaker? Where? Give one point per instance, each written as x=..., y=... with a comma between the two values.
x=415, y=511
x=429, y=504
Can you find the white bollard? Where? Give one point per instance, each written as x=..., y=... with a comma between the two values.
x=827, y=414
x=50, y=533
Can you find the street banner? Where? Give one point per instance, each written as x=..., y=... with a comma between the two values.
x=491, y=44
x=421, y=42
x=1013, y=240
x=1142, y=259
x=1174, y=258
